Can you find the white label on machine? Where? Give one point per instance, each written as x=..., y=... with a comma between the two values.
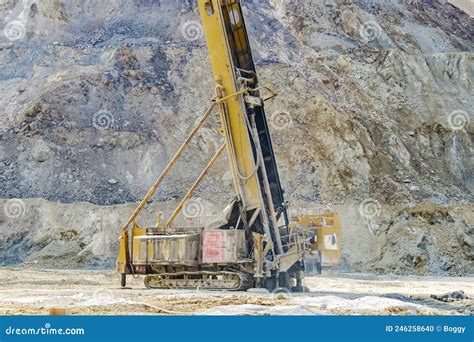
x=330, y=242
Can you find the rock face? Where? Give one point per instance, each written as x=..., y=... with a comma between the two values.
x=375, y=107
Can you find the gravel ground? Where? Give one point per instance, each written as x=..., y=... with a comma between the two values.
x=27, y=291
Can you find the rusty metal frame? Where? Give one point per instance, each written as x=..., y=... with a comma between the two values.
x=168, y=167
x=194, y=186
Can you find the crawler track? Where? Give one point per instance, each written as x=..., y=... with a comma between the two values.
x=222, y=280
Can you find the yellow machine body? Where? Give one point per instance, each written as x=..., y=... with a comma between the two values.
x=327, y=231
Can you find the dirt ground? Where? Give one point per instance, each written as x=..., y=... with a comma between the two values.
x=36, y=291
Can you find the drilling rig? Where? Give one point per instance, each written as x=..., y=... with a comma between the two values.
x=255, y=246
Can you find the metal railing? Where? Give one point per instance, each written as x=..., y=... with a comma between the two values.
x=299, y=237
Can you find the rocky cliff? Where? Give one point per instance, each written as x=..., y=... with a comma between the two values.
x=374, y=119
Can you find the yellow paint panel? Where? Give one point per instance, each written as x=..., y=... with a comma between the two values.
x=123, y=252
x=328, y=231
